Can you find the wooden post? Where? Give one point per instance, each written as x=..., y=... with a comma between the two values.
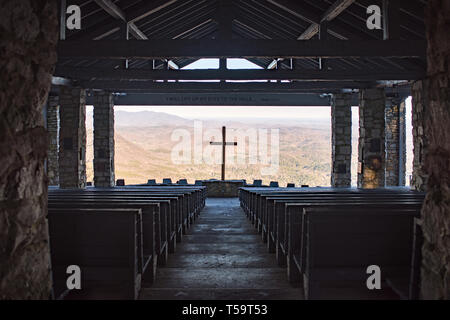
x=224, y=139
x=224, y=144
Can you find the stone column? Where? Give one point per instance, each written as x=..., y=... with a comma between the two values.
x=435, y=275
x=371, y=153
x=104, y=140
x=29, y=34
x=395, y=142
x=72, y=138
x=419, y=110
x=341, y=127
x=53, y=146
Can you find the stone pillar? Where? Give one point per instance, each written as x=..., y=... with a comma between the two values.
x=29, y=34
x=371, y=153
x=419, y=110
x=53, y=146
x=395, y=143
x=72, y=138
x=341, y=127
x=104, y=140
x=435, y=275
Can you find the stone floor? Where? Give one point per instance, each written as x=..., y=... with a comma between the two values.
x=222, y=257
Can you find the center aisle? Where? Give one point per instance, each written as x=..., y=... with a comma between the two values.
x=222, y=257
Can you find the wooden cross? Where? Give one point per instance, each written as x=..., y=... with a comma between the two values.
x=223, y=144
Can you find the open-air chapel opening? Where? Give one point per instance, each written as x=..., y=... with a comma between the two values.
x=224, y=149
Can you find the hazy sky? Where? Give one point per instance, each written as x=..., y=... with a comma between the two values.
x=214, y=64
x=210, y=112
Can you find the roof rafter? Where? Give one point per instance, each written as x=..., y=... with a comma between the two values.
x=296, y=9
x=117, y=13
x=333, y=11
x=133, y=14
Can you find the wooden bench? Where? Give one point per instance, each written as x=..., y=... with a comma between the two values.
x=173, y=221
x=407, y=286
x=265, y=216
x=105, y=243
x=174, y=210
x=154, y=235
x=339, y=243
x=192, y=200
x=278, y=221
x=166, y=225
x=284, y=232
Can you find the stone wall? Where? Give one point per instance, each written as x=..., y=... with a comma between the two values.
x=53, y=135
x=420, y=102
x=341, y=141
x=435, y=273
x=104, y=140
x=29, y=34
x=402, y=146
x=395, y=143
x=72, y=138
x=223, y=189
x=371, y=149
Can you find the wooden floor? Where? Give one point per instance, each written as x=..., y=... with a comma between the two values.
x=222, y=257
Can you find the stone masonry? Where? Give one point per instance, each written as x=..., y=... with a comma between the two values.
x=29, y=34
x=395, y=142
x=341, y=127
x=435, y=275
x=53, y=146
x=72, y=138
x=223, y=189
x=419, y=111
x=104, y=140
x=371, y=150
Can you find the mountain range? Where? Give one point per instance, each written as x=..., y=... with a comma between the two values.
x=144, y=144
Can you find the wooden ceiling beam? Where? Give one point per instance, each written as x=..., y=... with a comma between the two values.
x=172, y=87
x=311, y=75
x=239, y=48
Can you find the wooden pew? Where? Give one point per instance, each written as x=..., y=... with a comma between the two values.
x=257, y=211
x=340, y=243
x=173, y=222
x=195, y=195
x=407, y=285
x=272, y=213
x=178, y=209
x=265, y=216
x=192, y=200
x=199, y=191
x=165, y=226
x=278, y=221
x=296, y=228
x=154, y=236
x=105, y=243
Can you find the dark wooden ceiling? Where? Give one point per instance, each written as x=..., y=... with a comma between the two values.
x=238, y=22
